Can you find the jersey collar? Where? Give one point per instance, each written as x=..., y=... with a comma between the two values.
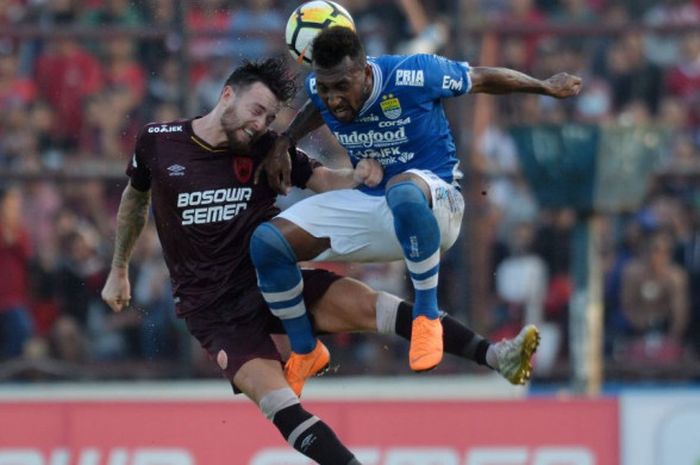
x=376, y=87
x=199, y=141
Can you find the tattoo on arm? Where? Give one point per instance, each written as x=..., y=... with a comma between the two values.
x=503, y=81
x=131, y=218
x=307, y=120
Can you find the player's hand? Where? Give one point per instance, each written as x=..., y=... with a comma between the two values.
x=368, y=172
x=563, y=85
x=117, y=291
x=278, y=166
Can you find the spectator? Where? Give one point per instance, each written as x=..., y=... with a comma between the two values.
x=664, y=49
x=122, y=69
x=15, y=322
x=160, y=14
x=521, y=283
x=683, y=80
x=14, y=89
x=209, y=21
x=633, y=77
x=66, y=75
x=655, y=302
x=525, y=13
x=166, y=85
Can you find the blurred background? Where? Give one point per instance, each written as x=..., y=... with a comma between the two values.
x=583, y=215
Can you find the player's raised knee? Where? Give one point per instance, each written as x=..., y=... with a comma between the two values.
x=404, y=193
x=268, y=247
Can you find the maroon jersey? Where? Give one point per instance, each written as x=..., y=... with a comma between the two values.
x=205, y=207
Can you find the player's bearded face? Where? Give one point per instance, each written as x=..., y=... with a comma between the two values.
x=344, y=88
x=247, y=115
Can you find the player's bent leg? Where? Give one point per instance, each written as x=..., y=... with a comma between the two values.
x=262, y=381
x=394, y=316
x=280, y=281
x=419, y=235
x=275, y=248
x=281, y=284
x=347, y=306
x=511, y=358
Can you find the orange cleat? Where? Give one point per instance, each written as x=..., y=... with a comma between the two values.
x=426, y=344
x=299, y=367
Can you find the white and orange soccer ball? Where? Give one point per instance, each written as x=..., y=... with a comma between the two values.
x=308, y=20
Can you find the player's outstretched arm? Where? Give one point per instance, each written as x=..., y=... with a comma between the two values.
x=307, y=120
x=368, y=172
x=131, y=218
x=504, y=80
x=277, y=164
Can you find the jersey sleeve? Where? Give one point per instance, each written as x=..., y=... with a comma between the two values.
x=302, y=167
x=138, y=169
x=311, y=92
x=444, y=77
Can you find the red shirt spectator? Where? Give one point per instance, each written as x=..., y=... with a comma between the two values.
x=525, y=13
x=14, y=254
x=13, y=262
x=66, y=75
x=123, y=70
x=684, y=80
x=209, y=16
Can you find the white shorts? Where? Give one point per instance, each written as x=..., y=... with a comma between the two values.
x=361, y=226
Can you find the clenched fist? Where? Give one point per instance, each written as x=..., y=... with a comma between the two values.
x=368, y=172
x=563, y=85
x=117, y=291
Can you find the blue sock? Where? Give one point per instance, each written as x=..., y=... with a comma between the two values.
x=281, y=284
x=419, y=235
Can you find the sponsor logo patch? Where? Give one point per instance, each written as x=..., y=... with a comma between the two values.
x=164, y=128
x=410, y=77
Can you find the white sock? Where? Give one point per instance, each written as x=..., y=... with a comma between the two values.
x=387, y=307
x=492, y=356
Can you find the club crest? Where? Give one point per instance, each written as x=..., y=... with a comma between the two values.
x=390, y=106
x=243, y=168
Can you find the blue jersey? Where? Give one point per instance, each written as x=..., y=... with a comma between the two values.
x=402, y=124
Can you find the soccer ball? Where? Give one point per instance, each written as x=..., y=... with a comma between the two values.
x=308, y=20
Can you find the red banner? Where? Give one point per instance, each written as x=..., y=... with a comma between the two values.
x=530, y=432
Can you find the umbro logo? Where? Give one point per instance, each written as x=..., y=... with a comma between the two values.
x=176, y=170
x=306, y=443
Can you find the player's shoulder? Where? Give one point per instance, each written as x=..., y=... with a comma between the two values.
x=386, y=60
x=156, y=128
x=154, y=134
x=403, y=71
x=399, y=64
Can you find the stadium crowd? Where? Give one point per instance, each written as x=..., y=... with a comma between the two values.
x=71, y=104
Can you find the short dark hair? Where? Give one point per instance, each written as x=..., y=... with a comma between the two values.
x=335, y=43
x=272, y=72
